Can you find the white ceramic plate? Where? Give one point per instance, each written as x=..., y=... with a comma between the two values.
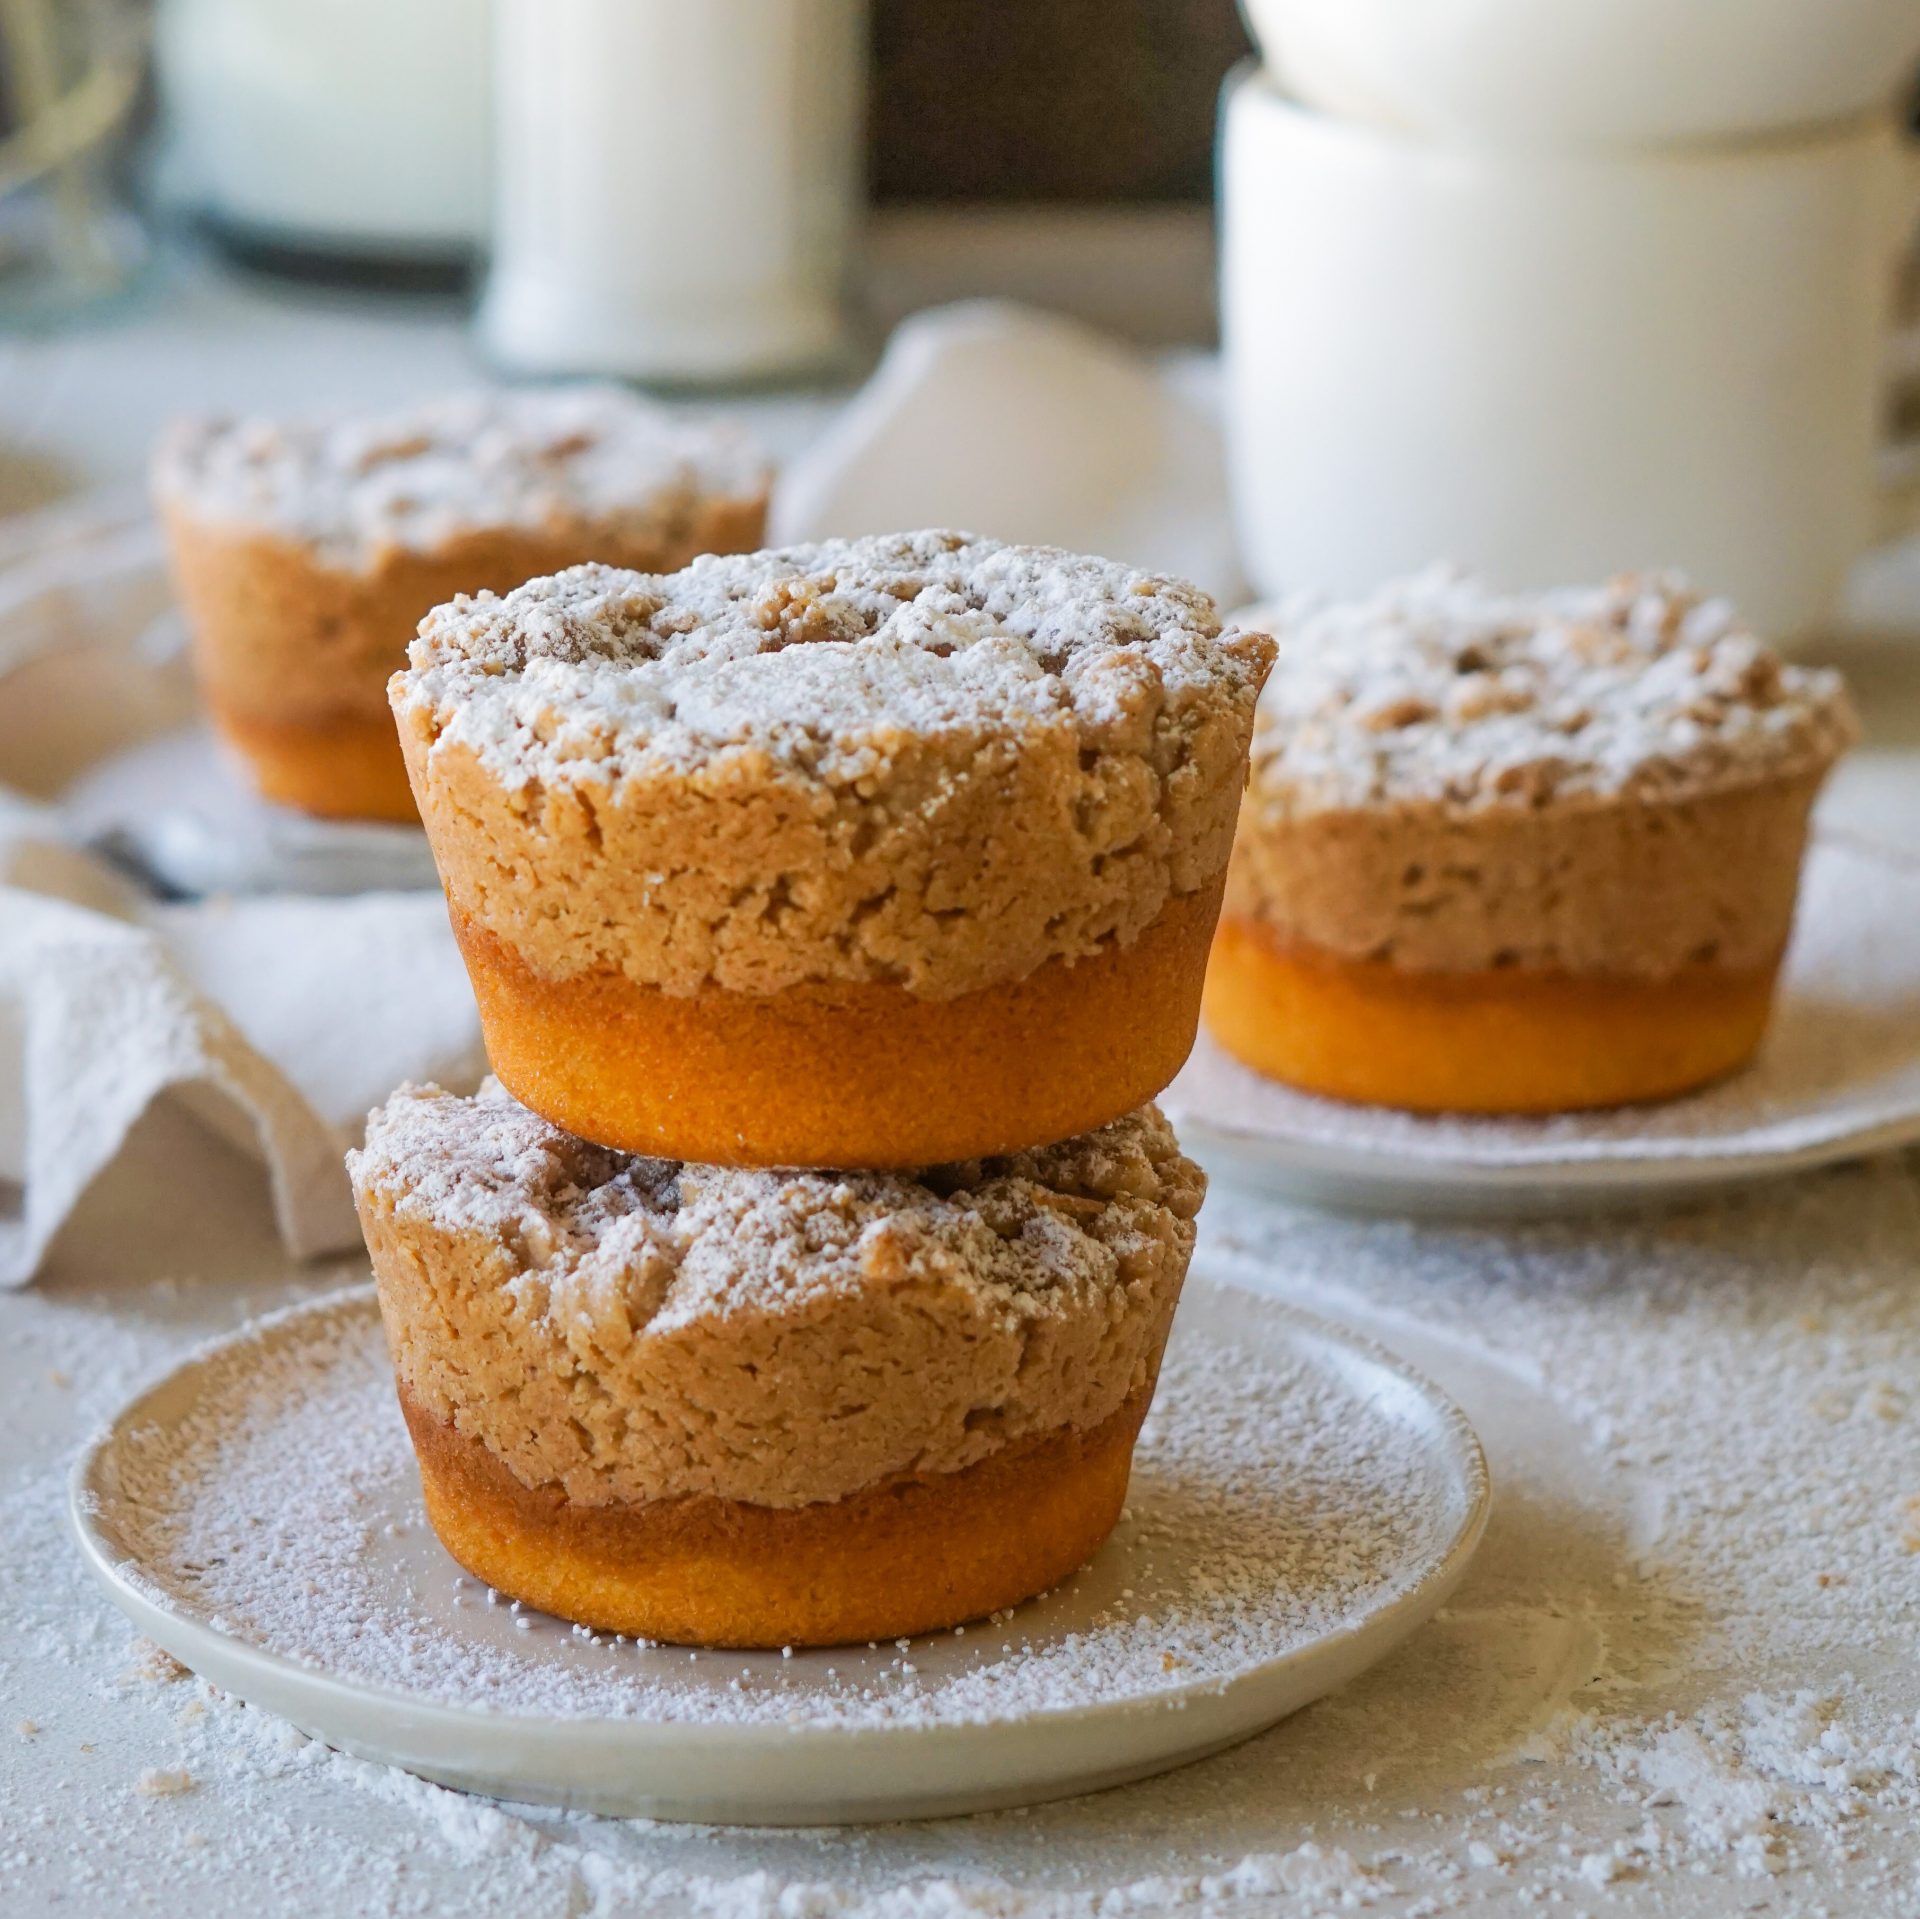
x=1838, y=1079
x=176, y=810
x=1301, y=1502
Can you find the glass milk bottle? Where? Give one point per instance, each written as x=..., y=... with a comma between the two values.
x=676, y=187
x=332, y=129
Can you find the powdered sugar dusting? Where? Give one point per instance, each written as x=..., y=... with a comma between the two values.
x=830, y=656
x=1438, y=690
x=1272, y=1503
x=422, y=476
x=1676, y=1679
x=676, y=1241
x=637, y=1330
x=1841, y=1061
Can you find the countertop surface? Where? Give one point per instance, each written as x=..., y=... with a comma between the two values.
x=1679, y=1677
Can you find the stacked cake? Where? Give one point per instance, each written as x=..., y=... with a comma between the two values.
x=833, y=915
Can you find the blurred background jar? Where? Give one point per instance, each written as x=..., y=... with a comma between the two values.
x=70, y=76
x=677, y=186
x=1545, y=366
x=1551, y=290
x=343, y=133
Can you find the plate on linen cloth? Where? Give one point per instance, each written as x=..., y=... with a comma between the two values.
x=1301, y=1501
x=178, y=812
x=1837, y=1078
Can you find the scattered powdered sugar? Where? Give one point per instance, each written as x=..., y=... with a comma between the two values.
x=285, y=1507
x=423, y=476
x=581, y=1860
x=1437, y=689
x=1740, y=1379
x=831, y=657
x=1841, y=1060
x=1677, y=1679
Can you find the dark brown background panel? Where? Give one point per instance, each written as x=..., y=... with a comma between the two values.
x=1048, y=99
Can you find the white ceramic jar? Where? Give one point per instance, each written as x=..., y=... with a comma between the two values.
x=1552, y=367
x=1591, y=73
x=677, y=184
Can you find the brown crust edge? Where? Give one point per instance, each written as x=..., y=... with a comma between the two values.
x=345, y=767
x=910, y=1555
x=1499, y=1040
x=849, y=1074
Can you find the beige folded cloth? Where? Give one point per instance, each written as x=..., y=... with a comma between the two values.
x=1025, y=426
x=276, y=1019
x=279, y=1021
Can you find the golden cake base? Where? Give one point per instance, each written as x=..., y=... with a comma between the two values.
x=850, y=1074
x=345, y=768
x=1505, y=1040
x=281, y=639
x=909, y=1556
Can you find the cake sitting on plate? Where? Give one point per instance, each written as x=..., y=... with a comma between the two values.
x=1518, y=854
x=758, y=1408
x=834, y=915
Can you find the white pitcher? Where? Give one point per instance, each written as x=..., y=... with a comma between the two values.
x=1550, y=367
x=677, y=184
x=1591, y=73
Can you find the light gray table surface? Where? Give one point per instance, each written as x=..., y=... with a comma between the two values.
x=1679, y=1678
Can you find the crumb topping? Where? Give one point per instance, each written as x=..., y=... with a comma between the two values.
x=632, y=1329
x=683, y=1241
x=1438, y=690
x=421, y=477
x=829, y=658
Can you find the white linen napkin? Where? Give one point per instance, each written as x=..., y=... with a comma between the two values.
x=278, y=1017
x=278, y=1020
x=1025, y=426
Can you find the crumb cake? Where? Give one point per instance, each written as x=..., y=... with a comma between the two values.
x=306, y=552
x=883, y=852
x=749, y=1408
x=1513, y=855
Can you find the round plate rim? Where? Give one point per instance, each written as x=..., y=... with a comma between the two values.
x=1284, y=1153
x=297, y=1686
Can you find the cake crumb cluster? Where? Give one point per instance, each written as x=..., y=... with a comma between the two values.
x=629, y=1328
x=421, y=477
x=1437, y=690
